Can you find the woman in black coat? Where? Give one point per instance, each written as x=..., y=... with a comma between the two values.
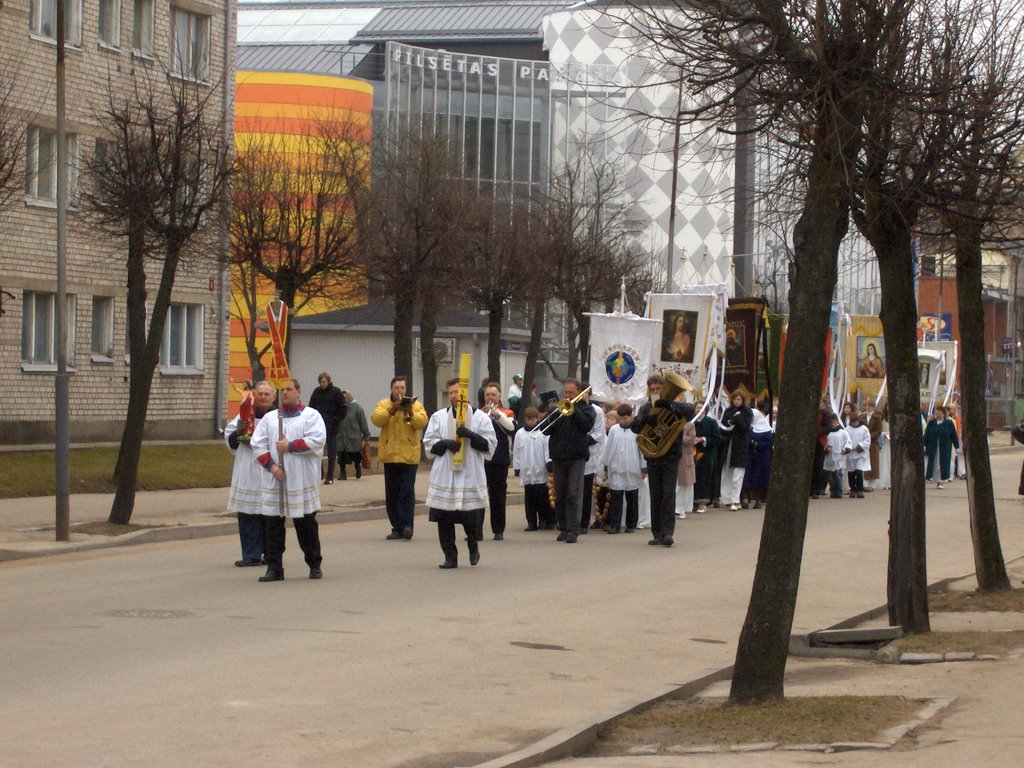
x=736, y=423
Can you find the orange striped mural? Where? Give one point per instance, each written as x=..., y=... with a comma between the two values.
x=289, y=110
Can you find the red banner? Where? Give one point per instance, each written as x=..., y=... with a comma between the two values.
x=277, y=323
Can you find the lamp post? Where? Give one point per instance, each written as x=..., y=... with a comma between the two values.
x=61, y=385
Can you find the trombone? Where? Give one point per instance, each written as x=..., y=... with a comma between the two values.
x=565, y=407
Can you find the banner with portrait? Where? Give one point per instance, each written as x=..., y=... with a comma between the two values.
x=865, y=355
x=622, y=353
x=685, y=339
x=930, y=365
x=947, y=382
x=744, y=324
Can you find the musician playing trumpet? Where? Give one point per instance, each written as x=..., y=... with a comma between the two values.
x=496, y=467
x=569, y=450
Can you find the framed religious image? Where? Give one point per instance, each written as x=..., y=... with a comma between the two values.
x=678, y=335
x=870, y=357
x=924, y=372
x=735, y=345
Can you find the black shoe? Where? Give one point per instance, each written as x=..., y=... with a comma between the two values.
x=247, y=562
x=328, y=481
x=343, y=476
x=474, y=551
x=479, y=535
x=667, y=541
x=499, y=537
x=631, y=530
x=448, y=564
x=583, y=530
x=359, y=471
x=571, y=538
x=393, y=536
x=272, y=575
x=531, y=528
x=654, y=542
x=561, y=536
x=406, y=534
x=315, y=573
x=814, y=495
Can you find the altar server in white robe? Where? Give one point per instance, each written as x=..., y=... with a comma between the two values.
x=293, y=460
x=624, y=469
x=245, y=495
x=458, y=494
x=858, y=460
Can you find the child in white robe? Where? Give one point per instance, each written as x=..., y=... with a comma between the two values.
x=858, y=461
x=530, y=461
x=624, y=468
x=837, y=446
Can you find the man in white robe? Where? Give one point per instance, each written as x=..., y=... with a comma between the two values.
x=458, y=494
x=294, y=461
x=244, y=498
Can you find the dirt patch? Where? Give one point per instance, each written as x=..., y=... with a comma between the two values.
x=796, y=720
x=1008, y=600
x=996, y=643
x=110, y=529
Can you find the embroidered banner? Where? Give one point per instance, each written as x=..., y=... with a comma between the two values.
x=950, y=373
x=277, y=323
x=622, y=356
x=686, y=330
x=865, y=355
x=744, y=323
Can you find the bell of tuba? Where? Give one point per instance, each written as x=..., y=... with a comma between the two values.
x=655, y=440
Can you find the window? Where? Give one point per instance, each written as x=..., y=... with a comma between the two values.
x=110, y=23
x=182, y=346
x=190, y=44
x=142, y=27
x=39, y=328
x=102, y=328
x=41, y=165
x=42, y=20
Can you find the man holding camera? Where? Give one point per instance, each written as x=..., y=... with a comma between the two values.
x=401, y=420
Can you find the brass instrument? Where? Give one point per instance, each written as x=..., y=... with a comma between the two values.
x=655, y=440
x=565, y=407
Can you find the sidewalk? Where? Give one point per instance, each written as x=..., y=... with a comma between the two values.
x=27, y=524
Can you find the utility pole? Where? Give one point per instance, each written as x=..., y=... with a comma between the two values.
x=61, y=385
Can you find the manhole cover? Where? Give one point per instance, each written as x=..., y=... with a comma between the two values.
x=150, y=613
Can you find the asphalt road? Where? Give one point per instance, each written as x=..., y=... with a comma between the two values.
x=166, y=655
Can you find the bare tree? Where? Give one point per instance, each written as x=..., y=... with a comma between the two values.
x=12, y=135
x=409, y=224
x=160, y=185
x=294, y=233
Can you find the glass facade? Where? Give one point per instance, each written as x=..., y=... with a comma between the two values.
x=496, y=111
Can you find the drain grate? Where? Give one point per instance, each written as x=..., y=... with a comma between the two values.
x=151, y=613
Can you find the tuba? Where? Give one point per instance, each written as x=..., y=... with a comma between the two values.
x=655, y=440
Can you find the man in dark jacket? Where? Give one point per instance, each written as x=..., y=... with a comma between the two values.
x=496, y=467
x=328, y=401
x=569, y=450
x=662, y=471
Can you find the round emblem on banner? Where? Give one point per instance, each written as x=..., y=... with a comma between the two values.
x=620, y=367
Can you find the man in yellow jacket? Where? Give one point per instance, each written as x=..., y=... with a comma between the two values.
x=401, y=420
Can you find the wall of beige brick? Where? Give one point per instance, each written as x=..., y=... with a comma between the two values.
x=181, y=406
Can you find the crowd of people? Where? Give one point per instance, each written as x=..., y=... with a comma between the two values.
x=579, y=463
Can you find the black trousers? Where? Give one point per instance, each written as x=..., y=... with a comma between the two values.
x=567, y=476
x=350, y=457
x=331, y=448
x=661, y=476
x=446, y=538
x=535, y=502
x=307, y=530
x=587, y=502
x=497, y=490
x=631, y=501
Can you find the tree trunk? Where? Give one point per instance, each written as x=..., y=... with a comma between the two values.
x=428, y=329
x=760, y=667
x=494, y=318
x=988, y=553
x=145, y=351
x=405, y=315
x=530, y=369
x=907, y=590
x=570, y=335
x=583, y=323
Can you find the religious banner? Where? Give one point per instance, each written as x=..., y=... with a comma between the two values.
x=947, y=382
x=930, y=365
x=865, y=355
x=277, y=324
x=686, y=329
x=744, y=323
x=622, y=353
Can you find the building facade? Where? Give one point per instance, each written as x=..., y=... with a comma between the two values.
x=113, y=48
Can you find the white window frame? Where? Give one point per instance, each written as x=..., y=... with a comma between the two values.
x=42, y=21
x=190, y=44
x=39, y=328
x=113, y=14
x=142, y=27
x=102, y=340
x=181, y=350
x=36, y=138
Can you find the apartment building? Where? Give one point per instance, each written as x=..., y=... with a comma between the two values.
x=112, y=47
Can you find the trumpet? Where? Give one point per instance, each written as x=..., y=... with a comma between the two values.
x=565, y=407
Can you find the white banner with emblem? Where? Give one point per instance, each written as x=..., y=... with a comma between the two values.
x=622, y=351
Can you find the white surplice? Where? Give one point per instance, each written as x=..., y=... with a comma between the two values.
x=466, y=488
x=301, y=468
